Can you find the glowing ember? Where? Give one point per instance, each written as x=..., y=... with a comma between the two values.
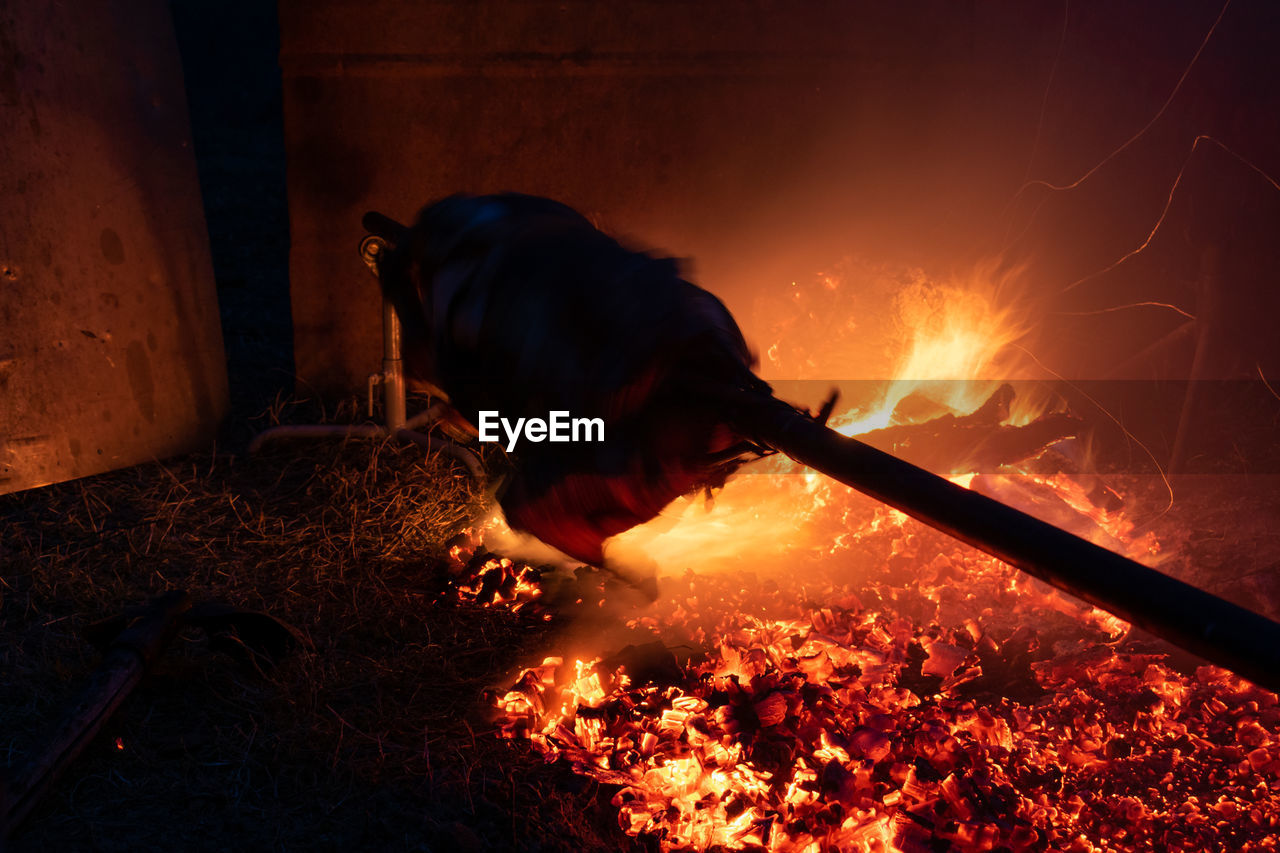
x=909, y=694
x=812, y=719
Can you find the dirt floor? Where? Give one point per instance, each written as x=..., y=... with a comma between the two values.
x=374, y=738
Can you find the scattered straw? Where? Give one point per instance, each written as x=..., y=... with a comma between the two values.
x=363, y=742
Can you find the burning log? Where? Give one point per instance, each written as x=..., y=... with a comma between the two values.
x=979, y=441
x=520, y=305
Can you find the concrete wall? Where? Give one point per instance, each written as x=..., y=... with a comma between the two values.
x=722, y=131
x=768, y=140
x=110, y=347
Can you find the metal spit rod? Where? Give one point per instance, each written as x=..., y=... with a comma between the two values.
x=1200, y=622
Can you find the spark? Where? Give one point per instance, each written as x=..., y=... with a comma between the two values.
x=1132, y=139
x=1204, y=137
x=1027, y=184
x=1044, y=102
x=1171, y=307
x=1265, y=382
x=1163, y=476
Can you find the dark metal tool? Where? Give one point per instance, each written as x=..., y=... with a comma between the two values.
x=131, y=642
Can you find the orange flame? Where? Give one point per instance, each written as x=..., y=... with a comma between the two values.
x=958, y=331
x=841, y=725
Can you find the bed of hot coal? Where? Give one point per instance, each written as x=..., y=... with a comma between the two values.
x=913, y=695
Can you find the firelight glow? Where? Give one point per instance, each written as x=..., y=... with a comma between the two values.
x=959, y=330
x=932, y=697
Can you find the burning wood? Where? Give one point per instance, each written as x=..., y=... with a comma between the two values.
x=980, y=441
x=893, y=717
x=915, y=710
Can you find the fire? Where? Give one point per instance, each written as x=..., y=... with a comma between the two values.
x=950, y=334
x=829, y=724
x=931, y=698
x=952, y=341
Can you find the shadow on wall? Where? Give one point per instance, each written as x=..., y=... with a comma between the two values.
x=229, y=55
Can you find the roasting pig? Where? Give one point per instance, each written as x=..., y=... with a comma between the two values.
x=519, y=307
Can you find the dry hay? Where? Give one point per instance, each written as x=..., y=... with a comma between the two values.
x=370, y=740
